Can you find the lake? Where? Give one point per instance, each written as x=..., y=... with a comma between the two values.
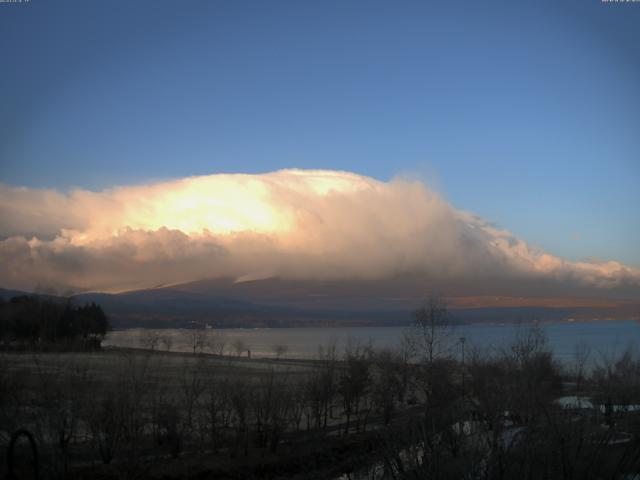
x=602, y=337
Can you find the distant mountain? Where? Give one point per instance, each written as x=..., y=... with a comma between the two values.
x=226, y=304
x=6, y=294
x=280, y=303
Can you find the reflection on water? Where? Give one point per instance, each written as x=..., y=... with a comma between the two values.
x=602, y=337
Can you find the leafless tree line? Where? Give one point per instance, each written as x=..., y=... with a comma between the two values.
x=141, y=405
x=520, y=414
x=502, y=422
x=201, y=340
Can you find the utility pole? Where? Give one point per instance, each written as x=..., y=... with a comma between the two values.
x=462, y=340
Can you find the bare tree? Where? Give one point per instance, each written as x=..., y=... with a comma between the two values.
x=533, y=376
x=167, y=342
x=150, y=340
x=387, y=382
x=13, y=390
x=196, y=339
x=328, y=379
x=270, y=404
x=355, y=380
x=239, y=346
x=137, y=380
x=581, y=355
x=62, y=393
x=432, y=330
x=240, y=403
x=193, y=387
x=105, y=420
x=279, y=350
x=218, y=410
x=617, y=377
x=217, y=342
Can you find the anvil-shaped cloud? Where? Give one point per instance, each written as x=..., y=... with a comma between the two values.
x=290, y=224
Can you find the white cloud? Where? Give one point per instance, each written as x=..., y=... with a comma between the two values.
x=291, y=223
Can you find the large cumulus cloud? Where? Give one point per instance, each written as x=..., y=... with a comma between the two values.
x=290, y=224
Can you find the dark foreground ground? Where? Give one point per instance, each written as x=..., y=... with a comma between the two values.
x=356, y=414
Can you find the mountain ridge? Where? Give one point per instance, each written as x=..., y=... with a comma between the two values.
x=274, y=302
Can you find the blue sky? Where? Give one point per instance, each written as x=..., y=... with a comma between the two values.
x=525, y=113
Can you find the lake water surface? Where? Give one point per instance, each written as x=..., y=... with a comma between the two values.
x=602, y=337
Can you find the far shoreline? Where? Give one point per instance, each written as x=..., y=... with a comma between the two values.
x=363, y=326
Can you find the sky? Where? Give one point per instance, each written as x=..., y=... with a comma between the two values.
x=525, y=114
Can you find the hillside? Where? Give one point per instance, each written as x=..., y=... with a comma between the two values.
x=284, y=303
